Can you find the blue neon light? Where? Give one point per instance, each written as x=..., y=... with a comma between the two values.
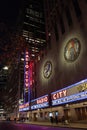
x=37, y=106
x=34, y=104
x=71, y=98
x=23, y=109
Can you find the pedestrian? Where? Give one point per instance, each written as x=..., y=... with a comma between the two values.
x=56, y=119
x=51, y=119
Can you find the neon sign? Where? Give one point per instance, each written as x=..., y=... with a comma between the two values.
x=24, y=107
x=41, y=102
x=75, y=92
x=28, y=77
x=31, y=65
x=68, y=99
x=59, y=94
x=26, y=74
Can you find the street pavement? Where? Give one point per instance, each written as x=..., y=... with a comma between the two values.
x=8, y=125
x=61, y=125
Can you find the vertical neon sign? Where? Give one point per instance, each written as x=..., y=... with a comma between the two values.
x=26, y=76
x=31, y=80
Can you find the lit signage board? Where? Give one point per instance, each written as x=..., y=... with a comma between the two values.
x=28, y=76
x=71, y=93
x=24, y=107
x=40, y=102
x=68, y=99
x=26, y=73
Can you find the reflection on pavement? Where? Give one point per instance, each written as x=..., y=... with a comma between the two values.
x=13, y=126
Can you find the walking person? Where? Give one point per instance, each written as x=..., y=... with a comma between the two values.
x=56, y=119
x=51, y=117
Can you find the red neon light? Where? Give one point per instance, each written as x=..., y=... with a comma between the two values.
x=42, y=100
x=31, y=73
x=59, y=94
x=26, y=70
x=24, y=105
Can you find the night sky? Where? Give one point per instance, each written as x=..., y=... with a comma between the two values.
x=9, y=11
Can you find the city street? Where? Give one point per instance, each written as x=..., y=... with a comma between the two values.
x=14, y=126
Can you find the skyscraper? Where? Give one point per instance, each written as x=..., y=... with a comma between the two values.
x=32, y=23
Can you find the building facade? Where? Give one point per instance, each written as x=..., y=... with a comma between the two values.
x=61, y=66
x=62, y=70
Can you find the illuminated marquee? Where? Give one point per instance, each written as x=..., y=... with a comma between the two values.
x=71, y=93
x=72, y=98
x=24, y=107
x=41, y=102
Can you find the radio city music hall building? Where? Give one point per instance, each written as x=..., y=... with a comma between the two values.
x=61, y=74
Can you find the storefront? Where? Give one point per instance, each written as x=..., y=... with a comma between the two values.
x=24, y=111
x=69, y=102
x=39, y=108
x=72, y=101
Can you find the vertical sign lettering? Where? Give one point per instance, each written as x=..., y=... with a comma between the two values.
x=26, y=76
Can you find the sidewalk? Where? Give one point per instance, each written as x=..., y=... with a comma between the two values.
x=70, y=125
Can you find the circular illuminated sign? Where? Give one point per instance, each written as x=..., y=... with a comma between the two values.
x=47, y=69
x=72, y=50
